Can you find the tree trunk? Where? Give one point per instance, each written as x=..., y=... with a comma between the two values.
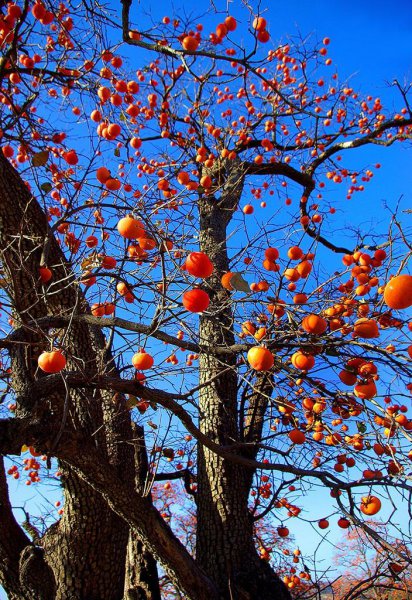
x=225, y=545
x=141, y=580
x=86, y=549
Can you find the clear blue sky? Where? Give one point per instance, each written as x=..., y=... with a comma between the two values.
x=371, y=45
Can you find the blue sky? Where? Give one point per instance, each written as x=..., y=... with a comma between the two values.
x=370, y=47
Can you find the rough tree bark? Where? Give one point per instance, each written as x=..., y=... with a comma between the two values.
x=225, y=546
x=84, y=554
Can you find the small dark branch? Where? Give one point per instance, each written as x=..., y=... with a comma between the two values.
x=57, y=322
x=172, y=476
x=304, y=179
x=404, y=93
x=185, y=474
x=315, y=234
x=30, y=528
x=258, y=401
x=358, y=142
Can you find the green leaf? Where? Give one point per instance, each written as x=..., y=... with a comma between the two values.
x=40, y=158
x=117, y=152
x=361, y=427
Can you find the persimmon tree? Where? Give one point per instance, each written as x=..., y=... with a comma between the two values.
x=177, y=304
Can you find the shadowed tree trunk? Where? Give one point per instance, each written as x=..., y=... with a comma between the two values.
x=84, y=554
x=141, y=578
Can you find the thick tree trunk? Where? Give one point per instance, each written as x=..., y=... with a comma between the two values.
x=141, y=580
x=86, y=549
x=225, y=546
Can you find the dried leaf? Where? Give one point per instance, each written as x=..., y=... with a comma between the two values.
x=46, y=187
x=88, y=262
x=131, y=402
x=239, y=284
x=40, y=158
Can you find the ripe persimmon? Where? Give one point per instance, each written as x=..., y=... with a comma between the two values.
x=45, y=274
x=260, y=358
x=91, y=241
x=196, y=300
x=123, y=289
x=398, y=292
x=199, y=264
x=370, y=505
x=263, y=36
x=146, y=242
x=142, y=360
x=304, y=268
x=365, y=391
x=259, y=23
x=291, y=275
x=71, y=157
x=314, y=324
x=97, y=310
x=300, y=298
x=230, y=23
x=113, y=184
x=225, y=281
x=135, y=142
x=366, y=328
x=297, y=436
x=302, y=361
x=107, y=262
x=51, y=362
x=343, y=523
x=109, y=308
x=295, y=253
x=130, y=228
x=248, y=328
x=183, y=177
x=206, y=182
x=323, y=524
x=221, y=30
x=190, y=43
x=347, y=377
x=271, y=254
x=102, y=174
